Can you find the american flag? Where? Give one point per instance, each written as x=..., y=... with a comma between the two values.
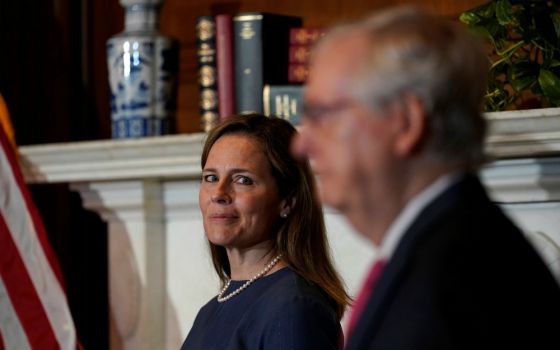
x=34, y=312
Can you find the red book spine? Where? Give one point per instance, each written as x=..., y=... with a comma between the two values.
x=299, y=53
x=297, y=72
x=305, y=35
x=224, y=65
x=302, y=40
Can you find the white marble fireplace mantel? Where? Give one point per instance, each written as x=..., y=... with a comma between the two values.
x=147, y=191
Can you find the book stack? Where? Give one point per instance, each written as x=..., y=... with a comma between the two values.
x=250, y=51
x=261, y=42
x=302, y=40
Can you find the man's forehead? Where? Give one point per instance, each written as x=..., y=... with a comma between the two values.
x=353, y=41
x=327, y=89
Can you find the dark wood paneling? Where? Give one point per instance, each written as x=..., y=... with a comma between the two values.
x=102, y=19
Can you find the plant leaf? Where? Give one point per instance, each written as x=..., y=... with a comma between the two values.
x=475, y=15
x=550, y=85
x=487, y=11
x=556, y=21
x=482, y=32
x=504, y=12
x=520, y=84
x=470, y=18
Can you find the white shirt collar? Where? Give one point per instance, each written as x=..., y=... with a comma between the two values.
x=409, y=213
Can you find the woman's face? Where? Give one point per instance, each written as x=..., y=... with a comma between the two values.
x=238, y=196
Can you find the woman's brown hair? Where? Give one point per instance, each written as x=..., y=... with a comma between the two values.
x=301, y=237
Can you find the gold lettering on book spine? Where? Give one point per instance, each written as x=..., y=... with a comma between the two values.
x=206, y=53
x=207, y=76
x=205, y=29
x=285, y=106
x=247, y=32
x=209, y=120
x=208, y=99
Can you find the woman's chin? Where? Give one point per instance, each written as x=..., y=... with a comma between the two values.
x=219, y=238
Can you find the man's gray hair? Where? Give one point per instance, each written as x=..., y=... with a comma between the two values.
x=440, y=62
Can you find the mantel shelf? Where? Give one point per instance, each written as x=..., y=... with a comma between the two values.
x=524, y=133
x=170, y=156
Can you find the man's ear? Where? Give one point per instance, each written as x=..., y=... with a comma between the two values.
x=413, y=125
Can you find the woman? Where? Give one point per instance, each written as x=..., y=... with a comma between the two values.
x=268, y=244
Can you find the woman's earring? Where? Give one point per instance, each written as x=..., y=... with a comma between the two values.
x=284, y=214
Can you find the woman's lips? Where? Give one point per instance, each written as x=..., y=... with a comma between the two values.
x=223, y=216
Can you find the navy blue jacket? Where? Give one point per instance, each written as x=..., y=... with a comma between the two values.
x=463, y=277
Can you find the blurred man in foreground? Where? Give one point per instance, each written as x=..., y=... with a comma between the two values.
x=394, y=129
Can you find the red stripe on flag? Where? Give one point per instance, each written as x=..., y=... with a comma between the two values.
x=23, y=295
x=1, y=341
x=37, y=222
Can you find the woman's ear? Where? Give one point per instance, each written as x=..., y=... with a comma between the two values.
x=286, y=206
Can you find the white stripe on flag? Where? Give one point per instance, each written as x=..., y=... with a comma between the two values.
x=13, y=333
x=23, y=231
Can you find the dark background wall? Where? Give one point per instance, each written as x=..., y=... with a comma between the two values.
x=53, y=77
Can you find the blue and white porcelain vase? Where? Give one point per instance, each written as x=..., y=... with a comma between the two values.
x=143, y=67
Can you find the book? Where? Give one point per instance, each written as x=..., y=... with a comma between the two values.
x=297, y=72
x=306, y=35
x=207, y=76
x=224, y=65
x=284, y=101
x=299, y=53
x=261, y=43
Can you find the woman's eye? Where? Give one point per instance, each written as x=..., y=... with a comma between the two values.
x=244, y=180
x=209, y=178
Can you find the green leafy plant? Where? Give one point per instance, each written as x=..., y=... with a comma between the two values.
x=524, y=37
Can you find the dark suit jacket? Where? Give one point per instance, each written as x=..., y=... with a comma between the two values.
x=463, y=277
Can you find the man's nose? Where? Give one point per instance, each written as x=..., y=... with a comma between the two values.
x=300, y=143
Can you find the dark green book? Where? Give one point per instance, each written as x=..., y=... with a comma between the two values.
x=284, y=101
x=261, y=46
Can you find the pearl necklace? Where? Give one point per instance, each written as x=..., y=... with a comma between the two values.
x=221, y=298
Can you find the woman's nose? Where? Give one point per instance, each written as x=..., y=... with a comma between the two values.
x=221, y=193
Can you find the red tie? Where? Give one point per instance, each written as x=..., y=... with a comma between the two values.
x=364, y=294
